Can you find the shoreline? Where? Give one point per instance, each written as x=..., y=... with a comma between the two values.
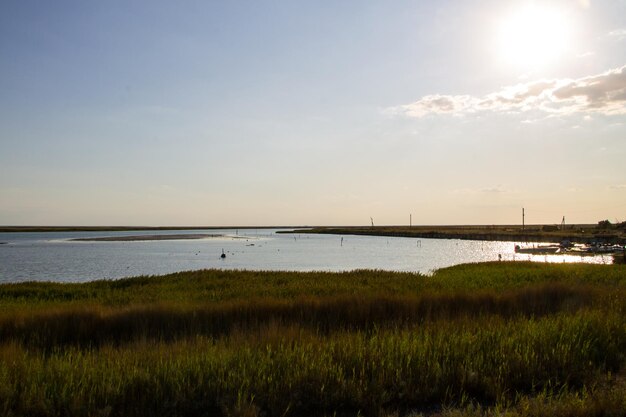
x=42, y=229
x=575, y=233
x=535, y=233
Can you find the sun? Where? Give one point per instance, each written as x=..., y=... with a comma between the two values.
x=532, y=38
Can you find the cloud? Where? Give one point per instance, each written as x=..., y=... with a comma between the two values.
x=493, y=190
x=603, y=93
x=498, y=189
x=618, y=35
x=618, y=187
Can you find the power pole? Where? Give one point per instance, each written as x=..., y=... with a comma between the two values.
x=563, y=223
x=522, y=218
x=410, y=220
x=372, y=219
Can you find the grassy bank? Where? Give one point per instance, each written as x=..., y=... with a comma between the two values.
x=528, y=339
x=582, y=233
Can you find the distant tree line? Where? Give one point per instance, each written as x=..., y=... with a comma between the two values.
x=606, y=224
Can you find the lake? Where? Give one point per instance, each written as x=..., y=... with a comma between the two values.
x=54, y=256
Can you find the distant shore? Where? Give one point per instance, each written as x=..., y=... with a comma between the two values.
x=575, y=233
x=581, y=233
x=145, y=237
x=15, y=229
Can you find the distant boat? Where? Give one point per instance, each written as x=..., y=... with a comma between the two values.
x=594, y=249
x=539, y=250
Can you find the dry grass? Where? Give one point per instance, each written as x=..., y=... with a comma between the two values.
x=93, y=325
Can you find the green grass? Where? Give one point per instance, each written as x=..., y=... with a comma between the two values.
x=483, y=339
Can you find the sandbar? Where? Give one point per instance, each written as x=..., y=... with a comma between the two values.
x=145, y=237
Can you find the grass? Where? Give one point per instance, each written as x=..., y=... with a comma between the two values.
x=517, y=339
x=581, y=233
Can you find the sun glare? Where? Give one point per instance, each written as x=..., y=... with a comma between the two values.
x=532, y=38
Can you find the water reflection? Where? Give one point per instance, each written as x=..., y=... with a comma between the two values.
x=56, y=257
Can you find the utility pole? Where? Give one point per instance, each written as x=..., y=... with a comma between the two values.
x=563, y=223
x=522, y=218
x=410, y=220
x=372, y=219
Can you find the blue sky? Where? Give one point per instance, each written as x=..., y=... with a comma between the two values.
x=293, y=113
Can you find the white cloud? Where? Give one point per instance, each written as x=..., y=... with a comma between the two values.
x=603, y=93
x=618, y=35
x=498, y=189
x=585, y=54
x=494, y=190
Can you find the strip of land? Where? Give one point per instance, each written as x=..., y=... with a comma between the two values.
x=582, y=233
x=145, y=238
x=577, y=233
x=16, y=229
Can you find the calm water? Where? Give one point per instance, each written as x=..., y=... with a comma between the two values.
x=54, y=257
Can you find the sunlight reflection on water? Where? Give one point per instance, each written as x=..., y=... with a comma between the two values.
x=55, y=257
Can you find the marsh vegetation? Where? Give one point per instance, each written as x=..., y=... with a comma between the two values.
x=480, y=339
x=604, y=231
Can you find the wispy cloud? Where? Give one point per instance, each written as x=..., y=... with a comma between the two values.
x=603, y=93
x=585, y=54
x=618, y=187
x=618, y=35
x=494, y=190
x=498, y=189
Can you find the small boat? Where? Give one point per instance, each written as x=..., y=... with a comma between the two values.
x=539, y=250
x=605, y=248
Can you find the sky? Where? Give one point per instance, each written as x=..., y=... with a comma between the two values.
x=214, y=113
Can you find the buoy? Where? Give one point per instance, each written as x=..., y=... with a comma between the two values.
x=223, y=255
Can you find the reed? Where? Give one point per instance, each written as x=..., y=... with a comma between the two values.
x=92, y=326
x=206, y=286
x=482, y=339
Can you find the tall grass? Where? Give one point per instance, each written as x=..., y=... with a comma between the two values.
x=91, y=326
x=469, y=340
x=487, y=361
x=216, y=285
